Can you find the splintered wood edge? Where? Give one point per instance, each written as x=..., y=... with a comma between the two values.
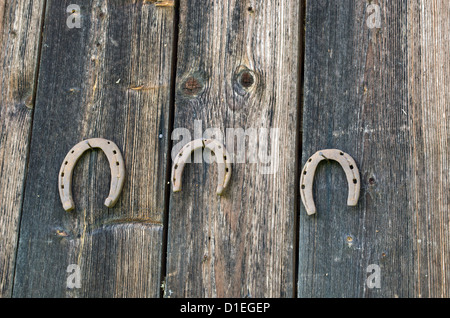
x=307, y=177
x=221, y=158
x=116, y=164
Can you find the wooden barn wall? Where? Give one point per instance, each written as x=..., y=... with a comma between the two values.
x=370, y=78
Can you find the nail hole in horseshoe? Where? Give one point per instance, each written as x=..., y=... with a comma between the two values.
x=176, y=167
x=355, y=181
x=351, y=166
x=114, y=152
x=62, y=186
x=66, y=163
x=303, y=186
x=341, y=153
x=62, y=174
x=304, y=172
x=117, y=162
x=309, y=160
x=226, y=169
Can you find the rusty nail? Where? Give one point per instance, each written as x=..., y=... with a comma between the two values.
x=61, y=233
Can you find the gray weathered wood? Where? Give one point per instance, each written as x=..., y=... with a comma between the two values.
x=355, y=98
x=20, y=26
x=381, y=95
x=111, y=79
x=429, y=128
x=238, y=67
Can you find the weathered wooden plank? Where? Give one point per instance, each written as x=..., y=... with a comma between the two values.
x=110, y=78
x=237, y=68
x=381, y=95
x=429, y=123
x=356, y=100
x=20, y=25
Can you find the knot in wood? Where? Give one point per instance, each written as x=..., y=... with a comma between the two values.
x=192, y=86
x=246, y=79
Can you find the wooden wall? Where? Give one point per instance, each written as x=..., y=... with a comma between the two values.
x=319, y=73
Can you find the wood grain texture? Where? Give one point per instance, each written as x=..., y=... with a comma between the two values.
x=356, y=96
x=110, y=79
x=381, y=95
x=237, y=68
x=429, y=122
x=20, y=26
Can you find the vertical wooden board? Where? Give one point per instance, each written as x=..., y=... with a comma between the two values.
x=20, y=24
x=429, y=98
x=237, y=68
x=110, y=78
x=356, y=100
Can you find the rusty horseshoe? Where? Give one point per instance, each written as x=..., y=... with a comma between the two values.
x=222, y=159
x=307, y=177
x=116, y=164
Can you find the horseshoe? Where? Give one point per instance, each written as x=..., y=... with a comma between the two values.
x=221, y=155
x=307, y=177
x=116, y=164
